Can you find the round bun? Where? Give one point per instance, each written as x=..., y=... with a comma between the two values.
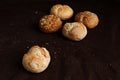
x=64, y=12
x=36, y=60
x=50, y=23
x=88, y=18
x=75, y=31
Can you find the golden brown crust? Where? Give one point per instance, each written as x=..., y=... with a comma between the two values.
x=36, y=60
x=87, y=18
x=64, y=12
x=50, y=23
x=75, y=31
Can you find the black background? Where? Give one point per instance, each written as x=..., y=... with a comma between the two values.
x=96, y=57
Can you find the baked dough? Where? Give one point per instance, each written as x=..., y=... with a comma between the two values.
x=64, y=12
x=88, y=18
x=50, y=23
x=36, y=60
x=75, y=31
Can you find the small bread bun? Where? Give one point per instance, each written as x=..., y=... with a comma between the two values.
x=50, y=23
x=36, y=60
x=88, y=18
x=64, y=12
x=75, y=31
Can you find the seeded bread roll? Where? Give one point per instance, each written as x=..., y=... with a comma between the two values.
x=36, y=60
x=50, y=23
x=64, y=12
x=88, y=18
x=75, y=31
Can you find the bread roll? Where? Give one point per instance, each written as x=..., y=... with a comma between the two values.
x=50, y=23
x=88, y=18
x=36, y=60
x=75, y=31
x=64, y=12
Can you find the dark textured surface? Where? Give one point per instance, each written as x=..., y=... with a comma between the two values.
x=97, y=57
